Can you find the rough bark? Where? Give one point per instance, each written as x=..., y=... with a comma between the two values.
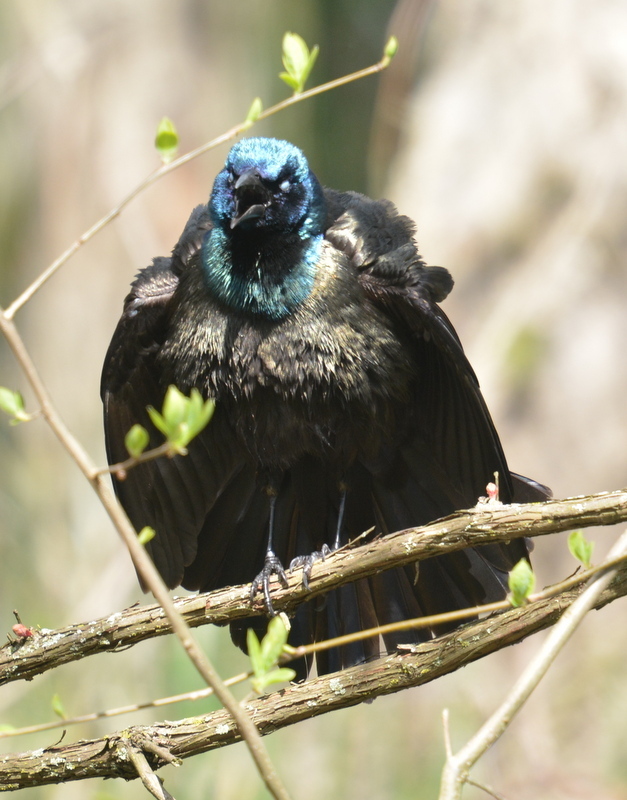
x=48, y=649
x=108, y=757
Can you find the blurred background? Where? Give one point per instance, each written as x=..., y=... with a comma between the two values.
x=501, y=128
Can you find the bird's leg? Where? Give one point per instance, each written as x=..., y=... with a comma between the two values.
x=307, y=562
x=340, y=516
x=272, y=565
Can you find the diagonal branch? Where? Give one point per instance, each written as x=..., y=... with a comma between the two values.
x=485, y=523
x=107, y=757
x=143, y=562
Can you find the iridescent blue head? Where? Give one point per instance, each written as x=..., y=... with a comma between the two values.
x=266, y=185
x=269, y=211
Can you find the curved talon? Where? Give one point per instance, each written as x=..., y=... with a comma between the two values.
x=307, y=562
x=272, y=566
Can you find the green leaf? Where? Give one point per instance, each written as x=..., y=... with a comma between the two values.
x=391, y=48
x=200, y=413
x=182, y=417
x=581, y=548
x=158, y=421
x=136, y=440
x=146, y=534
x=298, y=61
x=521, y=583
x=175, y=406
x=313, y=56
x=256, y=107
x=295, y=53
x=293, y=83
x=264, y=655
x=12, y=403
x=262, y=682
x=57, y=706
x=279, y=675
x=166, y=140
x=5, y=728
x=254, y=651
x=274, y=641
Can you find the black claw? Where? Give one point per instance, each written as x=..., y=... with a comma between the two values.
x=272, y=566
x=307, y=562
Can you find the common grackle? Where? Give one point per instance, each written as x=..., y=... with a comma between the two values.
x=344, y=402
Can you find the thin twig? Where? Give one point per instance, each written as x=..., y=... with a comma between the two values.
x=164, y=450
x=447, y=733
x=148, y=777
x=457, y=767
x=150, y=746
x=487, y=789
x=199, y=694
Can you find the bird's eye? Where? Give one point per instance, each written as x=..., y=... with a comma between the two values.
x=284, y=186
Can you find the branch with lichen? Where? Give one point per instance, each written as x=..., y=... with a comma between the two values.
x=107, y=757
x=485, y=523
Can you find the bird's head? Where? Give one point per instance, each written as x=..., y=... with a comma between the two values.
x=266, y=186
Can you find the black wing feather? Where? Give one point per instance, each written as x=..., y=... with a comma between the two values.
x=452, y=449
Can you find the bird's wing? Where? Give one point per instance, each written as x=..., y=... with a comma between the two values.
x=172, y=495
x=451, y=418
x=451, y=450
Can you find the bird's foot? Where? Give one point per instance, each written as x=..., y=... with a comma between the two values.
x=307, y=562
x=272, y=566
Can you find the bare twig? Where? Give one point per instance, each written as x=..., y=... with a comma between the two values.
x=458, y=766
x=447, y=732
x=487, y=789
x=199, y=694
x=149, y=746
x=162, y=451
x=434, y=620
x=151, y=781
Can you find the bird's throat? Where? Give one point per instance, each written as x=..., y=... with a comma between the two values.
x=268, y=277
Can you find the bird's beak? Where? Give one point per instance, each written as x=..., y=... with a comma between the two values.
x=251, y=198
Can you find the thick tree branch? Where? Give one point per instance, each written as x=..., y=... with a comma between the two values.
x=108, y=756
x=485, y=523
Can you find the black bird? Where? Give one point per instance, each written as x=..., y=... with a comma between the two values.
x=344, y=401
